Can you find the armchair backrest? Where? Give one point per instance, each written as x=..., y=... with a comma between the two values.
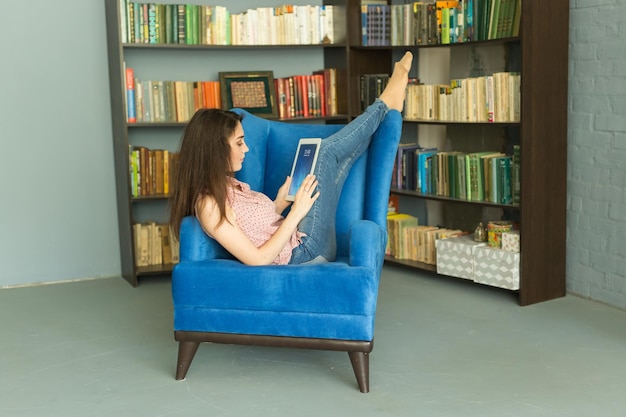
x=272, y=146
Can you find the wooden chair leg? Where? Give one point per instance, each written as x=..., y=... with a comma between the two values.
x=186, y=352
x=361, y=366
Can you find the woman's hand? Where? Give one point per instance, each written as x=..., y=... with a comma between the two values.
x=305, y=197
x=281, y=202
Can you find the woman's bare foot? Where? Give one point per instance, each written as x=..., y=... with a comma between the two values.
x=395, y=92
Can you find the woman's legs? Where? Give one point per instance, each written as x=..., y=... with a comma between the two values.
x=337, y=155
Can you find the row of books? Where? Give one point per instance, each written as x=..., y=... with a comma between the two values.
x=193, y=24
x=491, y=98
x=408, y=240
x=371, y=86
x=433, y=22
x=478, y=176
x=151, y=171
x=168, y=101
x=375, y=23
x=308, y=95
x=155, y=244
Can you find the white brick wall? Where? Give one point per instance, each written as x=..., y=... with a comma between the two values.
x=596, y=208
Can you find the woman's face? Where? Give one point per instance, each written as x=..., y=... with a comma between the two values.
x=238, y=148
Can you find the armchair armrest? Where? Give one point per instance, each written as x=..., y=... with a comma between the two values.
x=367, y=244
x=195, y=245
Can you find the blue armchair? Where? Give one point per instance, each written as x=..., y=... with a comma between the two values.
x=329, y=306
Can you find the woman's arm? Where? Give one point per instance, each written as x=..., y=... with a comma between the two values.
x=235, y=241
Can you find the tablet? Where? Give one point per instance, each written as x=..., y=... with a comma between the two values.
x=303, y=163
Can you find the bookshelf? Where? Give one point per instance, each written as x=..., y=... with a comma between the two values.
x=540, y=55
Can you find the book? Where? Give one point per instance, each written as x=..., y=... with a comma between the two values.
x=191, y=24
x=396, y=223
x=423, y=241
x=131, y=115
x=517, y=16
x=281, y=97
x=157, y=244
x=134, y=171
x=404, y=161
x=444, y=24
x=469, y=19
x=181, y=20
x=506, y=22
x=490, y=98
x=427, y=243
x=443, y=19
x=504, y=193
x=328, y=91
x=489, y=175
x=175, y=247
x=397, y=24
x=515, y=175
x=166, y=247
x=485, y=11
x=141, y=241
x=124, y=21
x=422, y=177
x=493, y=19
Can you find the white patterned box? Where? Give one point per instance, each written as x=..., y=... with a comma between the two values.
x=510, y=241
x=455, y=256
x=496, y=267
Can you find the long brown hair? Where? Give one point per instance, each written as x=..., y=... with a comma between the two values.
x=203, y=163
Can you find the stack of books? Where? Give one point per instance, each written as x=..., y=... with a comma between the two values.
x=155, y=244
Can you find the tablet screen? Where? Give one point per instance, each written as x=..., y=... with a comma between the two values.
x=304, y=163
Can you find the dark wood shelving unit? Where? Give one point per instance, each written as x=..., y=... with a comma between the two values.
x=543, y=49
x=543, y=58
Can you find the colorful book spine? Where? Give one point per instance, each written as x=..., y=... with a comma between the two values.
x=131, y=114
x=490, y=98
x=506, y=196
x=469, y=20
x=515, y=175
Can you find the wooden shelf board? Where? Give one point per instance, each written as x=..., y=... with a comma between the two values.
x=412, y=193
x=412, y=264
x=155, y=269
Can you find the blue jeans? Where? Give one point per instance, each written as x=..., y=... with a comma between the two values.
x=337, y=155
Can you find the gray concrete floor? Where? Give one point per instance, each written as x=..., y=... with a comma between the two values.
x=444, y=347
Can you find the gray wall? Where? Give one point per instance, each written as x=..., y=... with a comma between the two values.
x=596, y=218
x=58, y=217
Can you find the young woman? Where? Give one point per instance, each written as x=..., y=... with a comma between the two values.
x=248, y=224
